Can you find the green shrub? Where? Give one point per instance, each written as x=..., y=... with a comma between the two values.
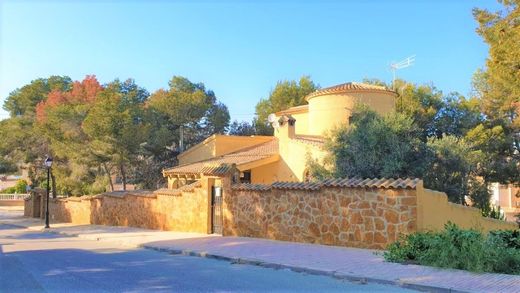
x=409, y=248
x=19, y=187
x=498, y=252
x=11, y=189
x=493, y=212
x=509, y=237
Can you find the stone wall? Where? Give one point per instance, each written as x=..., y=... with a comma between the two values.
x=32, y=204
x=358, y=216
x=12, y=203
x=177, y=210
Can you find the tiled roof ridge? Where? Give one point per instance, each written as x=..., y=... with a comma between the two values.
x=186, y=188
x=355, y=182
x=294, y=109
x=310, y=139
x=348, y=87
x=122, y=193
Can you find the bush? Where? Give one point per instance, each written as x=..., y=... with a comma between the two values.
x=510, y=238
x=409, y=249
x=498, y=252
x=9, y=190
x=19, y=187
x=493, y=212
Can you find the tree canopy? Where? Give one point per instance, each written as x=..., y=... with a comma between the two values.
x=498, y=86
x=375, y=146
x=96, y=131
x=285, y=94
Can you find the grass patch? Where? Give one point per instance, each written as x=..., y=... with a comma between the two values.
x=496, y=252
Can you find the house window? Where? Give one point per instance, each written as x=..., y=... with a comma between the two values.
x=245, y=176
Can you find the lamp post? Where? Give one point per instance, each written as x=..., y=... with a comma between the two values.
x=48, y=164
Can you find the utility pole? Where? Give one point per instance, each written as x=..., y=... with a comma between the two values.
x=181, y=139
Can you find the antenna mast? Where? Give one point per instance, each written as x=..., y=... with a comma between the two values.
x=394, y=66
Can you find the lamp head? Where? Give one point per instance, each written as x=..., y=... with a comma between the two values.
x=48, y=162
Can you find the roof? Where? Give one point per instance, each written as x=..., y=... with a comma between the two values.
x=258, y=139
x=399, y=183
x=186, y=188
x=224, y=164
x=349, y=87
x=294, y=110
x=314, y=140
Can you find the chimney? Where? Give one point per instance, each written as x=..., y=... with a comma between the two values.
x=287, y=127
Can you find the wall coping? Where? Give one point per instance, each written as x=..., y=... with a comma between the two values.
x=113, y=194
x=385, y=183
x=178, y=191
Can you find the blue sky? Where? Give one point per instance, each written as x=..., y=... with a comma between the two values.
x=239, y=49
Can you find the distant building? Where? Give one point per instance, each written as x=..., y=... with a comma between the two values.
x=507, y=197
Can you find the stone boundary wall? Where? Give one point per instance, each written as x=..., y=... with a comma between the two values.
x=366, y=214
x=33, y=202
x=12, y=203
x=180, y=210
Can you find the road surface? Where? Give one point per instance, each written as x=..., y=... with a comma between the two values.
x=33, y=261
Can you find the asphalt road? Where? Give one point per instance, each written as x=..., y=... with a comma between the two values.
x=43, y=262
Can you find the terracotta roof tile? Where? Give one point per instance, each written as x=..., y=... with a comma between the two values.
x=249, y=186
x=349, y=87
x=400, y=183
x=314, y=140
x=123, y=193
x=224, y=164
x=186, y=188
x=294, y=110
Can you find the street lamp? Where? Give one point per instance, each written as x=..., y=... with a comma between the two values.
x=48, y=164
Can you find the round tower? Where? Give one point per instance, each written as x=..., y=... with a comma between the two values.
x=332, y=106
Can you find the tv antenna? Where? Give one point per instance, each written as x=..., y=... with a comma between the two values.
x=272, y=119
x=394, y=66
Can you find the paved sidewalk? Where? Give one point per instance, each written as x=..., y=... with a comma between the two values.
x=347, y=263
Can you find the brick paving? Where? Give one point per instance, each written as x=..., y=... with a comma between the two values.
x=340, y=262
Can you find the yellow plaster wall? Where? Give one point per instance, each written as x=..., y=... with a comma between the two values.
x=291, y=165
x=328, y=111
x=434, y=211
x=269, y=173
x=302, y=123
x=293, y=159
x=202, y=151
x=228, y=143
x=265, y=174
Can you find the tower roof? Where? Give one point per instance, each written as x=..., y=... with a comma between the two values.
x=349, y=87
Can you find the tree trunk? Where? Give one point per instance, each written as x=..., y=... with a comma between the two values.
x=123, y=176
x=53, y=180
x=109, y=176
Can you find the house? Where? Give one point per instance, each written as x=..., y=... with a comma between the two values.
x=299, y=135
x=255, y=187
